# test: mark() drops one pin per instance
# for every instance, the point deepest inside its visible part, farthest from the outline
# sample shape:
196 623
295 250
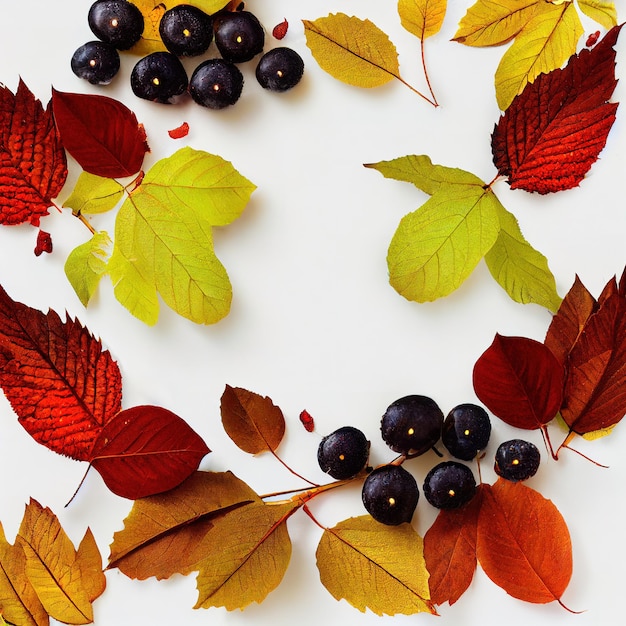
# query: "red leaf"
179 132
307 421
33 166
523 543
102 134
553 132
146 450
44 243
280 30
63 386
592 40
520 381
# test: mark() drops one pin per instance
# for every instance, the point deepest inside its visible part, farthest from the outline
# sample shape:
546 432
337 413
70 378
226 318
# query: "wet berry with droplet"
186 30
116 22
96 62
216 84
159 77
239 36
343 453
280 69
449 485
390 495
466 431
517 460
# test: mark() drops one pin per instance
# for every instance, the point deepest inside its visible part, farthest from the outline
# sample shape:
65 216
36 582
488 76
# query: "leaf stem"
290 469
565 445
430 88
85 221
417 91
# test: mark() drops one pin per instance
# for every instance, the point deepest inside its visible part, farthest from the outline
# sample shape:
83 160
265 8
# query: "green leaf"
86 264
94 194
602 12
518 268
368 564
352 50
422 18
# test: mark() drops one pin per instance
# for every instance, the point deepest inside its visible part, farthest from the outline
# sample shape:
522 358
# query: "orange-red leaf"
33 166
61 383
523 543
552 133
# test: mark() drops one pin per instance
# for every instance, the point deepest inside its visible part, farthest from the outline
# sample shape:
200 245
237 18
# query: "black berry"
186 30
96 61
517 460
466 430
239 36
412 424
280 69
216 84
343 453
159 77
390 495
449 485
117 22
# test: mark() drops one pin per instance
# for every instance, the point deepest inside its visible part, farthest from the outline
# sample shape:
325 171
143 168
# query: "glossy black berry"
280 69
343 453
517 460
390 495
186 30
96 62
116 22
412 424
159 77
216 84
466 431
449 485
239 36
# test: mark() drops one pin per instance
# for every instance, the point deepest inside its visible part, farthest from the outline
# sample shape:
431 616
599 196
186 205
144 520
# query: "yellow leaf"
89 560
367 564
422 18
352 50
602 12
543 45
493 22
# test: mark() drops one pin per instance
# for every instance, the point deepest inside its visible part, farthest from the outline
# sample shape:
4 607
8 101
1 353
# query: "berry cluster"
411 426
185 31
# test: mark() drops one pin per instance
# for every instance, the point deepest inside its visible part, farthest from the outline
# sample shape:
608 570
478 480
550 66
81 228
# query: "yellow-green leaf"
86 264
548 39
94 194
246 554
521 270
352 50
422 18
602 12
494 22
374 566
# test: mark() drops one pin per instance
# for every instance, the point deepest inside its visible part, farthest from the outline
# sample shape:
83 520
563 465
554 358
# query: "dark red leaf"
553 132
280 30
146 450
44 243
60 382
102 134
33 166
179 132
307 421
520 381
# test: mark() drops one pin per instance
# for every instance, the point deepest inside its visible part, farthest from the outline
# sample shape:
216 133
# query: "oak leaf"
33 165
422 18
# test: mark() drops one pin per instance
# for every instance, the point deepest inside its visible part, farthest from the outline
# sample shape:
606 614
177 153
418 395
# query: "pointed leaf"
61 383
87 264
554 131
352 50
422 18
33 167
519 380
602 12
94 194
114 149
89 560
387 581
146 450
252 421
531 565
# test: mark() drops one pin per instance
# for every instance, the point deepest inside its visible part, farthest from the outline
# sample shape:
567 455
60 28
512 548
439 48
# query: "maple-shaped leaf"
146 450
523 543
102 134
422 18
33 165
368 564
63 386
552 133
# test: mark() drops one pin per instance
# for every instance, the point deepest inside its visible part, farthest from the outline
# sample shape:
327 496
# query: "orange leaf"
523 543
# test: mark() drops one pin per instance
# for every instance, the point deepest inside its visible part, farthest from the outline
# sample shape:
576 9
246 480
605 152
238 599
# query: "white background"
314 322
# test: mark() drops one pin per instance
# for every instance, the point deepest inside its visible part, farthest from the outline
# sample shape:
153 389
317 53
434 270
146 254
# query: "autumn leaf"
523 543
553 132
114 149
33 166
146 450
600 11
252 421
519 380
422 18
94 194
388 581
60 382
